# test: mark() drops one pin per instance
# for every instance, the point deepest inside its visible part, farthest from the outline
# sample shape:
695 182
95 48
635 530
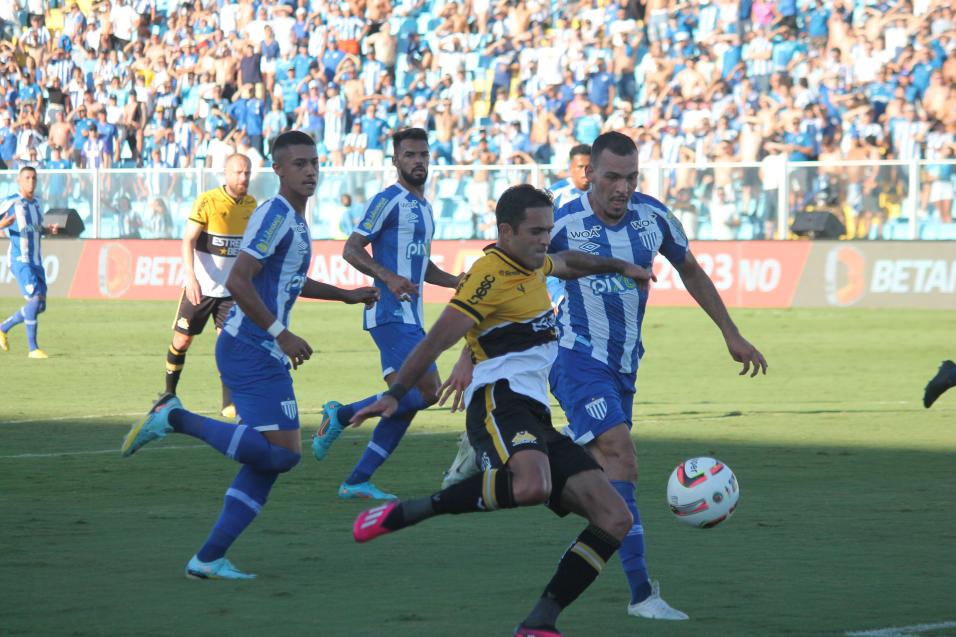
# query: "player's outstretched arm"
437 276
572 264
317 290
446 331
705 293
244 293
358 257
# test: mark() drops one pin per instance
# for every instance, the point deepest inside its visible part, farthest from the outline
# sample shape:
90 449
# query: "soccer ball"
702 492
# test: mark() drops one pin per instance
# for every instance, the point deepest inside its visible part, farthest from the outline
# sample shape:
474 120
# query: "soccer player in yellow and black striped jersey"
210 247
503 309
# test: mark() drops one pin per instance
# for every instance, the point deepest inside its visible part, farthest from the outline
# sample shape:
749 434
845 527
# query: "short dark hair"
25 169
515 201
617 143
408 133
580 149
291 138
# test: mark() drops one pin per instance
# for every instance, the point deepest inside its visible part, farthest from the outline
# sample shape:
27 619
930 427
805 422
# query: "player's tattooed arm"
437 276
317 290
358 257
572 264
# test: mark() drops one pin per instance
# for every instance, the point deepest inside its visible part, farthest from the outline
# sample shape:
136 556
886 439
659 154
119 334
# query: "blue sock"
239 442
16 319
412 401
388 433
952 376
30 312
244 500
632 547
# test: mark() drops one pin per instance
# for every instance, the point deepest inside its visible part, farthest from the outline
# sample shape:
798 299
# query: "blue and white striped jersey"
279 239
400 228
26 229
602 313
563 192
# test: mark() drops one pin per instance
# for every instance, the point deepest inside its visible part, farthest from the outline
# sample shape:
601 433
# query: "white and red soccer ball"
702 492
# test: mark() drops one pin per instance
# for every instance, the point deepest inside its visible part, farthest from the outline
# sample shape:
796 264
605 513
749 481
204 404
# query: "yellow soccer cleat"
4 342
229 411
37 353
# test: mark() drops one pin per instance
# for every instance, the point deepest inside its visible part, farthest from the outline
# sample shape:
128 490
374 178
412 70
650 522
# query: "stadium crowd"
176 84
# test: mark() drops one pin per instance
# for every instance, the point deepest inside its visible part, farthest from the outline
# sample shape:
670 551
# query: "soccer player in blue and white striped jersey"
564 191
254 354
600 346
21 217
399 225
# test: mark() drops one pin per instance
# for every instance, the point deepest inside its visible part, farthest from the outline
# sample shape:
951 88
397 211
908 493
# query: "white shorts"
941 191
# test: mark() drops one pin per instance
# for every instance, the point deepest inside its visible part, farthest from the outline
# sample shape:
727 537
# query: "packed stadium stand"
725 100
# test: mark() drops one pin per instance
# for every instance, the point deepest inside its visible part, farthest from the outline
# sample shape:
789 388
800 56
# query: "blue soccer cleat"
154 426
216 569
329 430
363 491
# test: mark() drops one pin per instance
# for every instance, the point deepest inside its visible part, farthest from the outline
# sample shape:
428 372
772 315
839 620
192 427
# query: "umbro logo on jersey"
597 408
590 246
289 408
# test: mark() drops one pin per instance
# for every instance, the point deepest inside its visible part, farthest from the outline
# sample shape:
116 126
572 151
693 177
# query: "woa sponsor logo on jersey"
591 233
611 284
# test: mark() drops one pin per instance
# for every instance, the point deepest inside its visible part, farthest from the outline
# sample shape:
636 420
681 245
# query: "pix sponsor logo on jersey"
416 249
611 284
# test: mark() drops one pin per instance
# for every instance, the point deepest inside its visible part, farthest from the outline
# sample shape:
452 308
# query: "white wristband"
275 329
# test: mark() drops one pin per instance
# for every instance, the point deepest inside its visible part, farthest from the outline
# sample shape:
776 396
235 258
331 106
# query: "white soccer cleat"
464 466
654 607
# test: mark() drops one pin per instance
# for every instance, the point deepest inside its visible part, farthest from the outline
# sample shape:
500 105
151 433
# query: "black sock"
175 359
579 567
486 491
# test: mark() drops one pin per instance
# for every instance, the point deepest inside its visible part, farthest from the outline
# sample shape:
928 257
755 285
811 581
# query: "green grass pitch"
847 518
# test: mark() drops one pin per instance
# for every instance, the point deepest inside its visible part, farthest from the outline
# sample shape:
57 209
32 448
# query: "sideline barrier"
768 274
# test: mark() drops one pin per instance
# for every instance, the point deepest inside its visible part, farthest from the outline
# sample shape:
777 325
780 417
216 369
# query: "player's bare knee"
531 490
614 518
182 341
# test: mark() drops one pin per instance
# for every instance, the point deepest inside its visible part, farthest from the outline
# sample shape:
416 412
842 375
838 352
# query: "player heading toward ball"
502 308
254 354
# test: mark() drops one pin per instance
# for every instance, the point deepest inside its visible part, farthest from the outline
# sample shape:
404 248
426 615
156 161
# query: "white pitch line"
743 412
901 631
96 452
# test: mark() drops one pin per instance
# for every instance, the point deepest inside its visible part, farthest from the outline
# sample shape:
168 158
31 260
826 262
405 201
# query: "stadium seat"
947 231
929 229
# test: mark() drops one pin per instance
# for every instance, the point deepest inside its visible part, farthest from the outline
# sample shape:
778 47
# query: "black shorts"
501 423
191 319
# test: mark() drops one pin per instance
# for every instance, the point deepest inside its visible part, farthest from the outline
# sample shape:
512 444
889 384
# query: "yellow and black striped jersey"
224 221
514 335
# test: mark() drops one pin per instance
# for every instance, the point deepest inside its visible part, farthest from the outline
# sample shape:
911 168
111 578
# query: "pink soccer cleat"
522 631
369 524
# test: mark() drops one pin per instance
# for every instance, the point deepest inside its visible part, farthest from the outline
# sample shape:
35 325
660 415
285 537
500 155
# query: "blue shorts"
261 385
30 278
594 397
395 341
